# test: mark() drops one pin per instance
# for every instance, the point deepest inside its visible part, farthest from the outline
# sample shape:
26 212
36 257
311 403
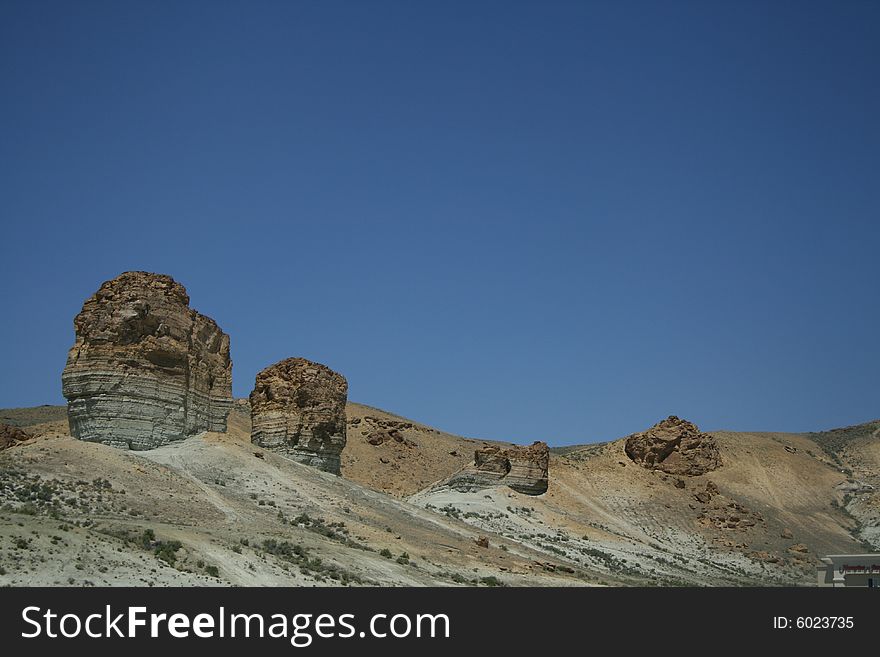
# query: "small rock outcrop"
524 469
298 409
10 435
855 487
724 513
379 431
674 446
146 369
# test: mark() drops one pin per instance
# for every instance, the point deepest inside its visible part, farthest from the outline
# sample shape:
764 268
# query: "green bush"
147 538
491 580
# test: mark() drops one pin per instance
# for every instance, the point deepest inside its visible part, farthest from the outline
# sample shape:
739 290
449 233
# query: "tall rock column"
298 409
146 369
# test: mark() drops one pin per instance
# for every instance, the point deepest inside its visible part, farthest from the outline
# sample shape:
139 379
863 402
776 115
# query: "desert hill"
403 458
775 503
216 510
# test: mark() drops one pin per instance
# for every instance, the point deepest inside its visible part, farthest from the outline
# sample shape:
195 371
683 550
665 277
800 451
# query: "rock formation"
674 446
298 409
524 469
386 431
146 369
724 513
10 436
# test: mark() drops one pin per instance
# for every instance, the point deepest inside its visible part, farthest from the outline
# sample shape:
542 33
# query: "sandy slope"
603 511
783 500
213 493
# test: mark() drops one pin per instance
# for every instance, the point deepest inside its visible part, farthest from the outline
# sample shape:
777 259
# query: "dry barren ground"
215 510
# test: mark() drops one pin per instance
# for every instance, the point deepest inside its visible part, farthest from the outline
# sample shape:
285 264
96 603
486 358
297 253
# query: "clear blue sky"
539 220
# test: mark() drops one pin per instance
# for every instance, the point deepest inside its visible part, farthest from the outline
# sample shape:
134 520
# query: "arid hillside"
765 515
215 509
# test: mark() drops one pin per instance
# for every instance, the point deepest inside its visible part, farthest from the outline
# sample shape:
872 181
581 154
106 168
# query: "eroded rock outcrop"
674 446
385 431
724 513
146 369
298 409
10 435
524 469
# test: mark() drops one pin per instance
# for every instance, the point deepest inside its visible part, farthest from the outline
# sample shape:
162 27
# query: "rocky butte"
524 469
146 369
298 409
674 446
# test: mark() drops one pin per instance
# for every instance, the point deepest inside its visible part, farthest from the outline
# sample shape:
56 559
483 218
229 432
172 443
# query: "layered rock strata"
298 409
146 369
674 446
524 469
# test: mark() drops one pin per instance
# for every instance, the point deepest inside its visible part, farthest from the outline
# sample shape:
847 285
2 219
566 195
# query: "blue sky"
540 220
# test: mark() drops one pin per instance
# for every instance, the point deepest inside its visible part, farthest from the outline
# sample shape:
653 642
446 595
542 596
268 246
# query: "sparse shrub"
164 550
147 538
167 551
298 555
385 552
491 580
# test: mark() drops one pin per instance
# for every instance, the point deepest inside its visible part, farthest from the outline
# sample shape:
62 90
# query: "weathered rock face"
524 469
724 513
10 436
298 409
674 446
386 431
146 369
